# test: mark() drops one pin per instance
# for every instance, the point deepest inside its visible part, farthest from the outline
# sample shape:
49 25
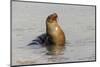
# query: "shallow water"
77 22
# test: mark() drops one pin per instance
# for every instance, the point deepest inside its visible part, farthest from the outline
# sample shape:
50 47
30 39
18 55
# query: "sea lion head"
52 17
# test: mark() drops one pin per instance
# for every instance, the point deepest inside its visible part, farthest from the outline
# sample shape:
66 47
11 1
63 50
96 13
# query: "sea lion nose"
54 14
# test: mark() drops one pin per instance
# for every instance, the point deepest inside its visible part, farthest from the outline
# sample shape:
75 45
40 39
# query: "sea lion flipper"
40 40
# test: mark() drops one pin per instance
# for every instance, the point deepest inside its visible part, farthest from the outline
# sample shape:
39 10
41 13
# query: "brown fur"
55 35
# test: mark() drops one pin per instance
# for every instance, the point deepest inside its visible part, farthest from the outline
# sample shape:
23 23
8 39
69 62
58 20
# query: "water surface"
28 22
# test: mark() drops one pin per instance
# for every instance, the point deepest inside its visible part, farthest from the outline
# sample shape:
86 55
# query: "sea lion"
55 40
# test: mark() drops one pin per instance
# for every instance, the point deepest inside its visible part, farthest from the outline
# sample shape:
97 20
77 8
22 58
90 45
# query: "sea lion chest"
55 32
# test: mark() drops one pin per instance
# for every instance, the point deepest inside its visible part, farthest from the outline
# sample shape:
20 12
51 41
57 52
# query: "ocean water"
28 22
